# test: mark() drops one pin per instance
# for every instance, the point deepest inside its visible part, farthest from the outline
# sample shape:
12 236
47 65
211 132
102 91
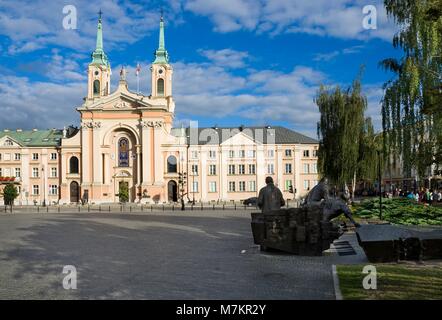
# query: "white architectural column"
85 154
158 156
203 184
146 137
297 183
138 158
96 152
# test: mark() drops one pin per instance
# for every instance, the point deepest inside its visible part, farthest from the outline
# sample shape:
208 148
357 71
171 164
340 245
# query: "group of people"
427 196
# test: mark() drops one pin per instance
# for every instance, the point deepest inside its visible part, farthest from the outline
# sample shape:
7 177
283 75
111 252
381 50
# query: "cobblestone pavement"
159 255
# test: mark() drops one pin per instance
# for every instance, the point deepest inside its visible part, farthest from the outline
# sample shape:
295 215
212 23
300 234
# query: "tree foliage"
10 193
412 104
346 138
123 193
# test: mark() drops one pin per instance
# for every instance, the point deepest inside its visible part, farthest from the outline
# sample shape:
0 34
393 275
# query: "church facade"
126 140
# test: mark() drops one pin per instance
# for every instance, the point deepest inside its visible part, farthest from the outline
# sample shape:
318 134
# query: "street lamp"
44 185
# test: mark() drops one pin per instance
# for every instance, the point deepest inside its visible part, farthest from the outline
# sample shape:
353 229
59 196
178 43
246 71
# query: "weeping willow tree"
412 103
347 151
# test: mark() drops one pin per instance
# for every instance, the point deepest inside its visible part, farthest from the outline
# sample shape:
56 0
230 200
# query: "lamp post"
44 185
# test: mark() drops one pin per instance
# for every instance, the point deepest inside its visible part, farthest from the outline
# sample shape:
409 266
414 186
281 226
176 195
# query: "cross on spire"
162 12
100 13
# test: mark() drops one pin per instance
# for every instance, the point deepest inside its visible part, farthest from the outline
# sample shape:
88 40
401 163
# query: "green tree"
10 193
411 107
346 138
123 193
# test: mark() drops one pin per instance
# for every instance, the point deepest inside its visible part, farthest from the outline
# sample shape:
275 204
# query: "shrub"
10 193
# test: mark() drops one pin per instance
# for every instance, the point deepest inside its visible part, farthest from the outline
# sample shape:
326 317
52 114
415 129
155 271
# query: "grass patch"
394 282
399 211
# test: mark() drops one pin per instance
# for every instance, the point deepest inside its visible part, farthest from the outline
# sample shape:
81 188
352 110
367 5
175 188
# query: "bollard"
213 206
191 207
235 206
151 208
163 207
130 208
223 206
88 208
79 208
99 208
109 208
47 209
58 209
201 206
121 208
173 207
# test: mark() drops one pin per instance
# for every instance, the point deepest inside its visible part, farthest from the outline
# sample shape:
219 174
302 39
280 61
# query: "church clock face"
96 73
160 71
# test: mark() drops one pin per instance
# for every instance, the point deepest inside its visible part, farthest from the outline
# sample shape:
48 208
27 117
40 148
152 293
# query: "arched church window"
73 165
160 87
123 152
96 87
171 164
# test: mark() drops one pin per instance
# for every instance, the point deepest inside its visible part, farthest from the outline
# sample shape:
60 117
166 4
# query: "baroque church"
127 139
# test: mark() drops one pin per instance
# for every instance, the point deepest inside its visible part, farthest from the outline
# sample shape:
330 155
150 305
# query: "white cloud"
334 54
227 58
26 104
337 18
35 24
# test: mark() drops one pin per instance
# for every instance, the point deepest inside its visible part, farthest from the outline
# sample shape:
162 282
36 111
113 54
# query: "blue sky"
235 61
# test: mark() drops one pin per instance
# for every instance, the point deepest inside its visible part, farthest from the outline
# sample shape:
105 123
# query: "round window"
97 73
160 71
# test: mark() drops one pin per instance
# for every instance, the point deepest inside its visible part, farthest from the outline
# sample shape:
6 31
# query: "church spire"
98 56
161 55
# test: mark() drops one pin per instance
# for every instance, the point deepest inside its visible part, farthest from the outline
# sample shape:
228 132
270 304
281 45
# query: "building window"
242 169
194 154
251 153
252 186
9 143
96 87
53 172
306 153
212 154
252 169
194 169
231 154
232 186
53 190
306 185
73 165
35 156
53 156
314 167
0 156
231 169
270 153
195 186
35 190
270 168
171 164
242 186
1 172
288 168
35 172
212 169
123 152
288 184
17 172
306 168
288 152
17 157
160 87
212 186
242 153
315 153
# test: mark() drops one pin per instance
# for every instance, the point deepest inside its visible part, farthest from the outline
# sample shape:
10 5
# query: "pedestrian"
270 197
416 196
434 197
439 196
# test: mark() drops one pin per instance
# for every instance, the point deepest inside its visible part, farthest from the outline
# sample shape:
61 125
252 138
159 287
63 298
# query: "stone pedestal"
298 230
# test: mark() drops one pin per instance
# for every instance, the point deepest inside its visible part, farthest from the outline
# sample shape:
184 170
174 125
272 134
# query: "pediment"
9 142
240 139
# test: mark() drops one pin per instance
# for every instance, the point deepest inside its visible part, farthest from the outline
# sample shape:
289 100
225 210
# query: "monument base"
300 231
